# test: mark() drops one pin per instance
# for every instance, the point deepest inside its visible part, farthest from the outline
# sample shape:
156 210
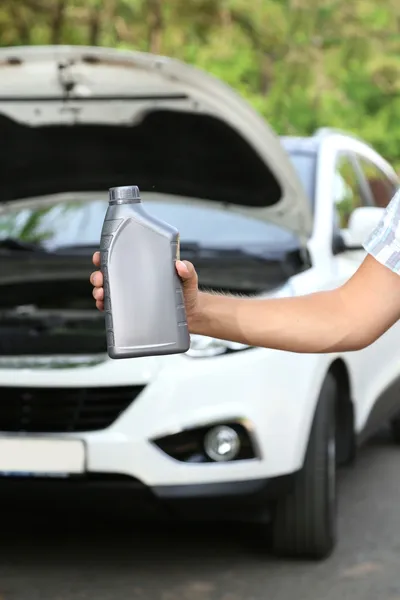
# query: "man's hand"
186 272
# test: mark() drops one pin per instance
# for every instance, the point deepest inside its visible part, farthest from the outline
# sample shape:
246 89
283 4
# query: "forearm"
316 323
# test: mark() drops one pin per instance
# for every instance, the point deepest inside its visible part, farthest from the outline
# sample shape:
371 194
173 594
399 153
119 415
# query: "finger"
99 305
98 294
188 275
96 279
96 259
185 269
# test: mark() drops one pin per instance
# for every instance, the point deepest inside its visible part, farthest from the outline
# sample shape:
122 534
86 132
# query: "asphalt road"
73 558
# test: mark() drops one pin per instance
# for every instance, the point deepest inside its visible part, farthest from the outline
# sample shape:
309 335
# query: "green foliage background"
302 63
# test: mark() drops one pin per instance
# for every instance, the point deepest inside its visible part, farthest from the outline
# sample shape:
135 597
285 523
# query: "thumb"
187 273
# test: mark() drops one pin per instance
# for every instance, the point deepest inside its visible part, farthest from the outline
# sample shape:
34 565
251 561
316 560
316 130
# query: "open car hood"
76 119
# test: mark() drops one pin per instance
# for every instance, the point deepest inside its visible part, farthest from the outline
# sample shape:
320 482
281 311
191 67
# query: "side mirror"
362 222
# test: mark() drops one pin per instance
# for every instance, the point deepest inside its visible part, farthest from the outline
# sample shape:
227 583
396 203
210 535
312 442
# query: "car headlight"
203 347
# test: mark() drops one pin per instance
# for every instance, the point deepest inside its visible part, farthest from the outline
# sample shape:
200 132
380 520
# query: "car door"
362 182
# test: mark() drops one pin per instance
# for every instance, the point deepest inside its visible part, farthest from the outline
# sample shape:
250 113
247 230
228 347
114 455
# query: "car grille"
48 410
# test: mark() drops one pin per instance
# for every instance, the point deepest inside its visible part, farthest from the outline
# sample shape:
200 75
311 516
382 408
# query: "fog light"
222 443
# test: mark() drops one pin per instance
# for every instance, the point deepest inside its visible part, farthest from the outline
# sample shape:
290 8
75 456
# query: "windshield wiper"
290 258
76 249
10 243
197 251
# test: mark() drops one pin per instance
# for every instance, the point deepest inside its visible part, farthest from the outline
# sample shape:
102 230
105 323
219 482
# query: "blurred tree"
302 63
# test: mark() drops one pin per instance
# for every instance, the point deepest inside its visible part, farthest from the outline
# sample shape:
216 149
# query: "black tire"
395 429
305 521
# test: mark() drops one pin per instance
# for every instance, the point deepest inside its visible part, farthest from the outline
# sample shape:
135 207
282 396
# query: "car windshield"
79 223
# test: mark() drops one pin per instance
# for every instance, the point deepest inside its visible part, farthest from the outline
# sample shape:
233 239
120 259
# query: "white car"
224 431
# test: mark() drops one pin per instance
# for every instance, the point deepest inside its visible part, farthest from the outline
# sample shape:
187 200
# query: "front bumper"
182 393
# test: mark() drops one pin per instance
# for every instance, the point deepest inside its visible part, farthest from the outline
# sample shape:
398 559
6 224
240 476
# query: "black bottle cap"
124 194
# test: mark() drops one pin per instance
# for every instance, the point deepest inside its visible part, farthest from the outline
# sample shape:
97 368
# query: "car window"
80 223
305 165
382 188
347 191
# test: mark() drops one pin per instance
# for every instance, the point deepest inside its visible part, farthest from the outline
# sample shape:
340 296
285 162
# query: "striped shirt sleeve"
384 242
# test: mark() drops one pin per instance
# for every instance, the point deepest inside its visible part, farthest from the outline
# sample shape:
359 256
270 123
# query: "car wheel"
304 524
395 428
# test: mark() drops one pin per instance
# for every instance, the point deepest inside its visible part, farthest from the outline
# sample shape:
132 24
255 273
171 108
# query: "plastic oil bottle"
143 299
